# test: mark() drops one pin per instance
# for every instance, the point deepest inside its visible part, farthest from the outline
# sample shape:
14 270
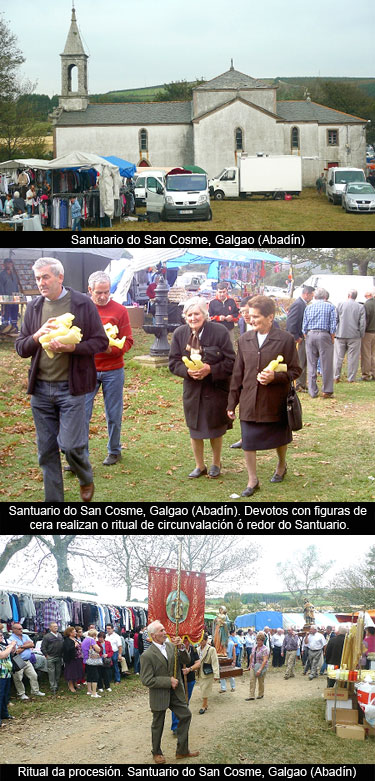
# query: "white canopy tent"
123 270
109 176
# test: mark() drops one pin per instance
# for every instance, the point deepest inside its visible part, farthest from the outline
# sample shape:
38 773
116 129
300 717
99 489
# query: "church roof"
308 111
167 113
73 43
232 79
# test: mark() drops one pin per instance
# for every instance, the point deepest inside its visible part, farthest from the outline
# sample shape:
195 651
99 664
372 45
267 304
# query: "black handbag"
207 668
294 409
18 663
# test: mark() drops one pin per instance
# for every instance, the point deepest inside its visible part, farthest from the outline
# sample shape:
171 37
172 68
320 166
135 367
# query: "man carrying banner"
166 690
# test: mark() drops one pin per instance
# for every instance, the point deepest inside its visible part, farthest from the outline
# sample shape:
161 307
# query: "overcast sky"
138 43
343 549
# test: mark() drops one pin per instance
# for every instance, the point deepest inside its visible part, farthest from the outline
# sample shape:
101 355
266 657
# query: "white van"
337 178
146 180
185 196
338 286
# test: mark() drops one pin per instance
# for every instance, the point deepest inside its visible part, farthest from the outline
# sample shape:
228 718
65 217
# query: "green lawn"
309 212
330 459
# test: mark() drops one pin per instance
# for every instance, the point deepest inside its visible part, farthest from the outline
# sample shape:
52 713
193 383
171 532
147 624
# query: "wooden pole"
177 607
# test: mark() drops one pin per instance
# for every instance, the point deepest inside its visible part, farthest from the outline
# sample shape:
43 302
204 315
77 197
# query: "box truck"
272 176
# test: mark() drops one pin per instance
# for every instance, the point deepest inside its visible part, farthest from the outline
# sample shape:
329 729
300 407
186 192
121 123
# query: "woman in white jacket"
207 657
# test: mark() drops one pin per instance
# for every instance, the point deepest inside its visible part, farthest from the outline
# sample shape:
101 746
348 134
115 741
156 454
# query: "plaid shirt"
319 316
51 613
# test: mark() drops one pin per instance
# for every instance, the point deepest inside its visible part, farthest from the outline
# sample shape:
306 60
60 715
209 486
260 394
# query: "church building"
229 115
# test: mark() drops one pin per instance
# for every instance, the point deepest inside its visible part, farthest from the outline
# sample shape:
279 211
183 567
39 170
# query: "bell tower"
74 93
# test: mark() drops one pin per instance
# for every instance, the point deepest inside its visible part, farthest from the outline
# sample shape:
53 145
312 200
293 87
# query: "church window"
332 137
143 140
239 139
295 138
72 78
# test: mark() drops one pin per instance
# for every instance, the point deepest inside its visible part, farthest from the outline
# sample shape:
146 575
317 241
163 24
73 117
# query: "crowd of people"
216 377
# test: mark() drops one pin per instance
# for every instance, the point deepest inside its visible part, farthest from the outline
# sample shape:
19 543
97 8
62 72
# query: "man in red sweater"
110 365
223 309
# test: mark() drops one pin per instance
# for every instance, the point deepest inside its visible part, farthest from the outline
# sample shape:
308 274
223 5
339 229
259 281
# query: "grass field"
330 459
309 212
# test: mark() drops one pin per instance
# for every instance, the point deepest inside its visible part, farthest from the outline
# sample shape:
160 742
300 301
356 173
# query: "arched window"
143 140
72 78
294 138
239 145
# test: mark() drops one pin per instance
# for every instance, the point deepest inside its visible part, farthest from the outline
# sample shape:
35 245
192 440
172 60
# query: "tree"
18 128
354 587
178 90
10 60
303 575
127 557
363 258
13 546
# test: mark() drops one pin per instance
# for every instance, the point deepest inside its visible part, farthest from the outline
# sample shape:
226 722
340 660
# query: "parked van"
338 286
144 180
185 196
337 178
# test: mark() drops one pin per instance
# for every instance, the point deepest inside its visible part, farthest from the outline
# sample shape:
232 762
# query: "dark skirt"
74 671
92 673
265 436
203 431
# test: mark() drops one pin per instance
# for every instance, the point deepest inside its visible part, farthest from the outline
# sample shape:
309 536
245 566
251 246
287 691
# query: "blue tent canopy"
214 257
126 169
259 620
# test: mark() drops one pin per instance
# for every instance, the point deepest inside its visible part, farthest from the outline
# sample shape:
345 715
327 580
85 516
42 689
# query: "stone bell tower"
73 57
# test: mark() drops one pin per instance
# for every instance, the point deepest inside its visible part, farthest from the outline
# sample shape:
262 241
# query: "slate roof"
180 112
232 79
308 111
173 112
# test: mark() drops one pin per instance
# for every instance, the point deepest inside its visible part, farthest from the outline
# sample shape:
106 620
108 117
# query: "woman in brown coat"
261 392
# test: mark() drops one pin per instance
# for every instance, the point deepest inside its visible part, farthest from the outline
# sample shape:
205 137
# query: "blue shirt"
319 316
20 641
231 643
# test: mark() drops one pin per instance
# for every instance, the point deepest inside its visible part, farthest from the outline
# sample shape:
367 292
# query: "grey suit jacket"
156 673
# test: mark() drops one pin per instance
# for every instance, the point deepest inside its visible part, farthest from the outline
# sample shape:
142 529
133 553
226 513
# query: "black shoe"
198 472
247 699
278 478
112 458
214 471
202 710
236 444
68 468
249 491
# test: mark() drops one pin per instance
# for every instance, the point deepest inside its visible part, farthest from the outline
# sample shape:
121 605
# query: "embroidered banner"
162 601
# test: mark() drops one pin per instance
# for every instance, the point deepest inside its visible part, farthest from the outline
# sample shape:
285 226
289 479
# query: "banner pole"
178 606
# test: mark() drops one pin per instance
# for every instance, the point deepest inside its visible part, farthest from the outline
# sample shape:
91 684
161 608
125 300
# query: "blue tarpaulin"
259 620
126 169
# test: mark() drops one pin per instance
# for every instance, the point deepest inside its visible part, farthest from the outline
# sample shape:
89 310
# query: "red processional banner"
162 601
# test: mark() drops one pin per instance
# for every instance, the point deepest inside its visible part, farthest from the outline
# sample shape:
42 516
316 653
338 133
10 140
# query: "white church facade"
228 115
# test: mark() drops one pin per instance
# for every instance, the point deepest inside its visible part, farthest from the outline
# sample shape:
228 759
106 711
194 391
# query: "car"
358 197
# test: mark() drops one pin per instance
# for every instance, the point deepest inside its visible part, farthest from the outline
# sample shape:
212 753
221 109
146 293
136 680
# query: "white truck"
272 176
183 196
338 286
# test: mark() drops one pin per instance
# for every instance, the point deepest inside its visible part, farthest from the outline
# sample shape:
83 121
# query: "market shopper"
333 651
52 648
92 659
188 674
73 659
9 286
116 643
104 670
368 341
294 322
258 667
76 212
58 386
24 647
319 327
6 649
224 309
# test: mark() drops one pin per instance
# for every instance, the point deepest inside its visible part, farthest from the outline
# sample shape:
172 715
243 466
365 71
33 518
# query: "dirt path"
119 732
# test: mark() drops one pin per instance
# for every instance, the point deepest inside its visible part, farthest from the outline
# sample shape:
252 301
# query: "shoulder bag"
94 659
294 409
18 663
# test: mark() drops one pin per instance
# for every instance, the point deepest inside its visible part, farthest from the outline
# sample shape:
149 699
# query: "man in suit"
166 691
294 326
